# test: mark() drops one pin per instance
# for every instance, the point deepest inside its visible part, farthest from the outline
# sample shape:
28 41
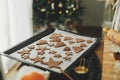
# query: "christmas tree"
56 11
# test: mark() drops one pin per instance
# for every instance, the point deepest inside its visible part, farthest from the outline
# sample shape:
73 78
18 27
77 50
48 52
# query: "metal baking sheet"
12 53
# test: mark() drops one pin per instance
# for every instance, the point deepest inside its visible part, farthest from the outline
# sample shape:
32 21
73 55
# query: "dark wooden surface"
92 31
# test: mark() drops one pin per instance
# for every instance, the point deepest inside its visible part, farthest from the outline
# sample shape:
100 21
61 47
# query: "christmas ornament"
56 12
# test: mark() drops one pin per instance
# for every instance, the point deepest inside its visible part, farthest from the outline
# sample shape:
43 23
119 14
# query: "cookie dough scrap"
52 63
77 49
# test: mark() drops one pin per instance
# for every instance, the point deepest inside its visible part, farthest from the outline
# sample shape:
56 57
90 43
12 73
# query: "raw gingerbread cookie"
55 39
52 52
77 49
67 58
67 38
31 46
59 44
40 52
24 52
25 56
89 41
57 55
71 41
68 53
51 44
41 42
53 35
78 40
67 49
42 48
83 45
37 59
52 63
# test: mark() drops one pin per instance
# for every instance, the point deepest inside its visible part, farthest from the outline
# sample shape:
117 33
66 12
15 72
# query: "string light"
60 5
67 11
43 10
74 9
36 0
52 6
72 5
70 14
49 1
60 12
68 0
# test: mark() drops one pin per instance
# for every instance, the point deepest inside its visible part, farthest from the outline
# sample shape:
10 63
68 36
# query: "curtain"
116 18
15 24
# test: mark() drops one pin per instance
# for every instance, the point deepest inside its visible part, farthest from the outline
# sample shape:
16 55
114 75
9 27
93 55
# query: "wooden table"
111 67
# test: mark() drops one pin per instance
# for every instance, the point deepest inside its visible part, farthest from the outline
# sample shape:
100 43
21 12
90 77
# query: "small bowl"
81 69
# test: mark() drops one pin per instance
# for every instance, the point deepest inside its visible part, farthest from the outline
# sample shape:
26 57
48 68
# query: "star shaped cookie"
67 58
52 63
37 59
24 52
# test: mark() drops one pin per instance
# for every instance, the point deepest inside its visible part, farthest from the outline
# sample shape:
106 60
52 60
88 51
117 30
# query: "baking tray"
41 35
